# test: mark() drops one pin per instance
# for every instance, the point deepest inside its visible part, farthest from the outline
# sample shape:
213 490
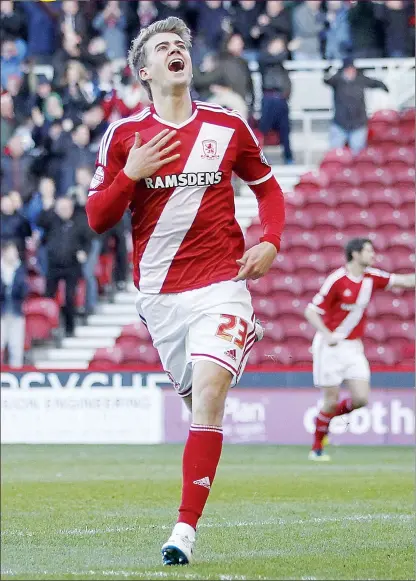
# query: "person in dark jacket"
67 243
14 227
350 118
276 92
393 16
366 31
276 21
244 17
13 291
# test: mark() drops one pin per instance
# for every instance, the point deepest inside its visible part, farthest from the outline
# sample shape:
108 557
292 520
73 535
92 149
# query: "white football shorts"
333 365
215 323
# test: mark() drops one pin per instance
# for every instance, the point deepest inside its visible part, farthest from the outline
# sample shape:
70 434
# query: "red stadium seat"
398 219
142 354
42 316
282 264
312 181
265 308
387 116
346 178
334 259
385 197
334 240
360 217
296 199
300 329
402 261
381 355
274 331
330 218
299 220
352 199
404 179
136 330
253 234
275 354
309 264
307 241
379 241
336 159
400 158
311 285
37 286
383 262
408 116
369 158
261 286
106 358
399 334
407 196
288 306
289 284
392 306
104 271
404 240
403 135
375 178
300 352
376 331
319 200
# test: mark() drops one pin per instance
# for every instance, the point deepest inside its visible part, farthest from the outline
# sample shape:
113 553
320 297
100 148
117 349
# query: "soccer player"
171 165
338 314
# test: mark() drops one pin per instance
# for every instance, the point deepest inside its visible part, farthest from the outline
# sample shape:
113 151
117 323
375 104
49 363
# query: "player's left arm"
402 281
252 167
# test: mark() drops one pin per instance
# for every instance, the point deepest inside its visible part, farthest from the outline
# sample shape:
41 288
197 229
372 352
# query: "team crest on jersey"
210 149
98 177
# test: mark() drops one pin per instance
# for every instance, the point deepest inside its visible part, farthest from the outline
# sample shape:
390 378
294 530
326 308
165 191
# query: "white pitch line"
271 522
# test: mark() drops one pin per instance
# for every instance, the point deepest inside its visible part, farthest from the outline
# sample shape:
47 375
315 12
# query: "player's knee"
359 401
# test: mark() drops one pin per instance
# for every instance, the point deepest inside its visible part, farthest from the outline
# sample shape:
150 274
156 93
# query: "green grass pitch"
103 512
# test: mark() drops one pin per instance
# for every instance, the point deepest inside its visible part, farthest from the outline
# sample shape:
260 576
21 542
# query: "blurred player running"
338 314
171 165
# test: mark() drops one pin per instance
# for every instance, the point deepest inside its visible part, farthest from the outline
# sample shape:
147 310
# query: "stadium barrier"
140 407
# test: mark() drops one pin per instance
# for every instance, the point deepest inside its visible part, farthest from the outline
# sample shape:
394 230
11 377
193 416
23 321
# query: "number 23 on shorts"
233 329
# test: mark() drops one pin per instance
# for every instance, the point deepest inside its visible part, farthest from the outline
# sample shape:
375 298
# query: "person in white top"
338 313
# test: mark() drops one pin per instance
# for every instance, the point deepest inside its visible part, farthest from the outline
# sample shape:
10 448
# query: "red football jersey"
184 230
343 299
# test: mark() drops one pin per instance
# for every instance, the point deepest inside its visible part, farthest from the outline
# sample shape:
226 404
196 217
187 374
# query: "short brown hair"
137 52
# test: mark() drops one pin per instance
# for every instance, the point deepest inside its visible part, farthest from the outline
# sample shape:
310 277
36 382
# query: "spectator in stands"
18 88
393 17
42 30
275 22
13 53
94 119
8 120
226 79
77 89
276 93
44 197
14 226
366 32
212 23
16 165
67 243
350 118
166 8
111 24
69 50
77 152
72 20
12 20
307 26
13 291
337 34
244 17
96 53
79 194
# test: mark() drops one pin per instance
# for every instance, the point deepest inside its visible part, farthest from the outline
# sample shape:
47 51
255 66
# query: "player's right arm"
321 302
113 185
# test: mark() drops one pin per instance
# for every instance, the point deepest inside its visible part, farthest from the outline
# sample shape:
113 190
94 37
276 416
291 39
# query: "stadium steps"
104 326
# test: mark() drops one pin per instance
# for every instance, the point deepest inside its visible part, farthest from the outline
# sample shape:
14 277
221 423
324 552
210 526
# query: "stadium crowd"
63 86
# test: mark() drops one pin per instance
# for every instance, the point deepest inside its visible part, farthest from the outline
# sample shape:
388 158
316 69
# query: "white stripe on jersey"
261 180
233 113
355 316
180 211
331 280
108 135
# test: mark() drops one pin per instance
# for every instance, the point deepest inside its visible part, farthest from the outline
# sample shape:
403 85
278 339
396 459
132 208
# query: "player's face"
168 63
367 255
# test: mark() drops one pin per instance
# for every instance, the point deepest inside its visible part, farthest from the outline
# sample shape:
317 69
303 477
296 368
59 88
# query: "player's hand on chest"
144 159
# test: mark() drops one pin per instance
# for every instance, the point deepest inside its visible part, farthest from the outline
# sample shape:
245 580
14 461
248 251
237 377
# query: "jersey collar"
174 125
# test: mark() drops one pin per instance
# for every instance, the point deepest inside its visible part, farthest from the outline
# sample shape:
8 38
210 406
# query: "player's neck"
173 108
355 269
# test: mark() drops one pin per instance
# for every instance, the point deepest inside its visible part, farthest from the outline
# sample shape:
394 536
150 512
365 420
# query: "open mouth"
176 65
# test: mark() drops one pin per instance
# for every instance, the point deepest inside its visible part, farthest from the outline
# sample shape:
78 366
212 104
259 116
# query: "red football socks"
200 460
323 419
